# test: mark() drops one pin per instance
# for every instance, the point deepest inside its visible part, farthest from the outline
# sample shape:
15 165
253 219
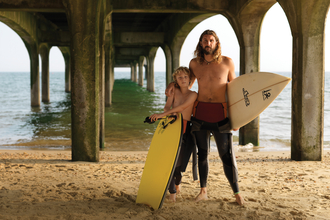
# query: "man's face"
208 44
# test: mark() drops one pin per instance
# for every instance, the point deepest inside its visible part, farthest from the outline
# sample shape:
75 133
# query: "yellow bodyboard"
160 163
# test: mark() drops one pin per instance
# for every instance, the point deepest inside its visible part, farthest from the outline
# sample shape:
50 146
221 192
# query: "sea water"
49 126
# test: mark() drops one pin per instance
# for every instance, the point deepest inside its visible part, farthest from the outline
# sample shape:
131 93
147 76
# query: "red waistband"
184 126
209 111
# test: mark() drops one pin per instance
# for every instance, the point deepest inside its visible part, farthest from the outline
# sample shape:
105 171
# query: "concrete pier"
44 53
67 60
100 35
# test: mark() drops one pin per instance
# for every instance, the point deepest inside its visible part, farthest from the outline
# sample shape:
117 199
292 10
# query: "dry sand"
47 185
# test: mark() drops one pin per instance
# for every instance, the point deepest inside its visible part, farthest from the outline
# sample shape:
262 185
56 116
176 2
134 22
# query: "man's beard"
208 52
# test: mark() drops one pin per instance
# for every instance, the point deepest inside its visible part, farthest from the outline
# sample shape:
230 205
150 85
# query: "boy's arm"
188 102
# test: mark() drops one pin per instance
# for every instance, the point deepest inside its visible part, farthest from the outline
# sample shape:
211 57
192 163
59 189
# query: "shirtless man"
212 71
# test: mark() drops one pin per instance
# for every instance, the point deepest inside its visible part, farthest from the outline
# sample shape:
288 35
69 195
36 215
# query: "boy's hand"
170 90
154 117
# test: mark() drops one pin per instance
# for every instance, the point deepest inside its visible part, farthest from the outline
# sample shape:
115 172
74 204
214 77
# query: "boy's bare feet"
178 189
173 197
239 199
202 195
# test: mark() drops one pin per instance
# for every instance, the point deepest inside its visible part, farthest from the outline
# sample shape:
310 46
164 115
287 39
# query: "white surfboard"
250 94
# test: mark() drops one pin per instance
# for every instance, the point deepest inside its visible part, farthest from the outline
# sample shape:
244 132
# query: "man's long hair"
199 49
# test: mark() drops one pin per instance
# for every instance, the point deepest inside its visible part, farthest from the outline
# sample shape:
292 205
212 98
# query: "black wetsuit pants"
176 180
223 144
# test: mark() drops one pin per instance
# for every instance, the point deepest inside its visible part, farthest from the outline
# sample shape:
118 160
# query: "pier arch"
24 24
276 38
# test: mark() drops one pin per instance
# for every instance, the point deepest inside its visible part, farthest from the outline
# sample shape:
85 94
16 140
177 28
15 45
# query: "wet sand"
47 185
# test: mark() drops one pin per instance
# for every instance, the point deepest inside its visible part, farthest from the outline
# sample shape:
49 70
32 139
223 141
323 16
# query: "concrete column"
109 57
67 60
132 72
151 71
67 74
169 71
86 70
307 77
147 68
141 63
44 53
175 58
247 28
34 75
135 66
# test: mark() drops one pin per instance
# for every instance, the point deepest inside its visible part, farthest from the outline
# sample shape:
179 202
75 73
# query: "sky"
275 46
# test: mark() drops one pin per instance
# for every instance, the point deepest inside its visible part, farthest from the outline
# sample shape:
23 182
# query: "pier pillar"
141 63
132 72
247 29
175 58
135 66
44 54
151 70
168 57
307 76
86 73
34 75
67 60
109 79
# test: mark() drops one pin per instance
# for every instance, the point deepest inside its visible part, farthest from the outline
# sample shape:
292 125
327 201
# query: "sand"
47 185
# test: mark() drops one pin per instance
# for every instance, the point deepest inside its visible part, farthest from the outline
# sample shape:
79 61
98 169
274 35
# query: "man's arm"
169 103
231 72
192 75
169 91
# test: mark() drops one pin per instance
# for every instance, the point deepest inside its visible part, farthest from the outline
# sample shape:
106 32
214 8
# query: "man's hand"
170 90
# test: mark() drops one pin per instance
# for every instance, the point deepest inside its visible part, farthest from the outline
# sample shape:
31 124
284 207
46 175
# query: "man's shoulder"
226 59
193 61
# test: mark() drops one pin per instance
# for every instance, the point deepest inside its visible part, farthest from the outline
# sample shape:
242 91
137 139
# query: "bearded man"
212 71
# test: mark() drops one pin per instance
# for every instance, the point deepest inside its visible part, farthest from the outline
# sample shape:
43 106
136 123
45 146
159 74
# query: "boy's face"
182 79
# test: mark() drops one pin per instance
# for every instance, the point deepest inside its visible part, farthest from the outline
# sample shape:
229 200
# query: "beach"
48 185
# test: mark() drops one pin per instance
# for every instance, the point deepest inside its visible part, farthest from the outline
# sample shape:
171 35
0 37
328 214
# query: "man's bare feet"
239 199
173 197
178 189
202 195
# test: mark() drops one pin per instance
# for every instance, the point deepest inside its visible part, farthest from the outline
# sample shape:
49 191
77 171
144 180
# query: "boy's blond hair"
177 71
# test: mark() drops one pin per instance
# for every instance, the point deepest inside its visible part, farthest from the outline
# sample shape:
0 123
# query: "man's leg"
223 141
202 141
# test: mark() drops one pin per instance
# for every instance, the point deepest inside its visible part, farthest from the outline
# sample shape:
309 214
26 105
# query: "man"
212 71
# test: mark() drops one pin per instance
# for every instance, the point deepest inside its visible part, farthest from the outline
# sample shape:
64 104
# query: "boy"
181 101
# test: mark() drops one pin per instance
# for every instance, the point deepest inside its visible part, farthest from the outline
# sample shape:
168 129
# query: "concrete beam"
55 38
32 5
169 6
139 39
137 51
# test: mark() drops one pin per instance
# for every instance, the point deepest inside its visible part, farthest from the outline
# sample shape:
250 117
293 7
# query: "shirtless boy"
181 102
212 71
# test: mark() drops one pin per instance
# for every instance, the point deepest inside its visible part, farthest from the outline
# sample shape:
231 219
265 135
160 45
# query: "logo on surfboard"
166 121
266 94
246 98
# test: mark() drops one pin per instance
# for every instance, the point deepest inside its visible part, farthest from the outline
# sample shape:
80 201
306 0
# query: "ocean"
49 126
